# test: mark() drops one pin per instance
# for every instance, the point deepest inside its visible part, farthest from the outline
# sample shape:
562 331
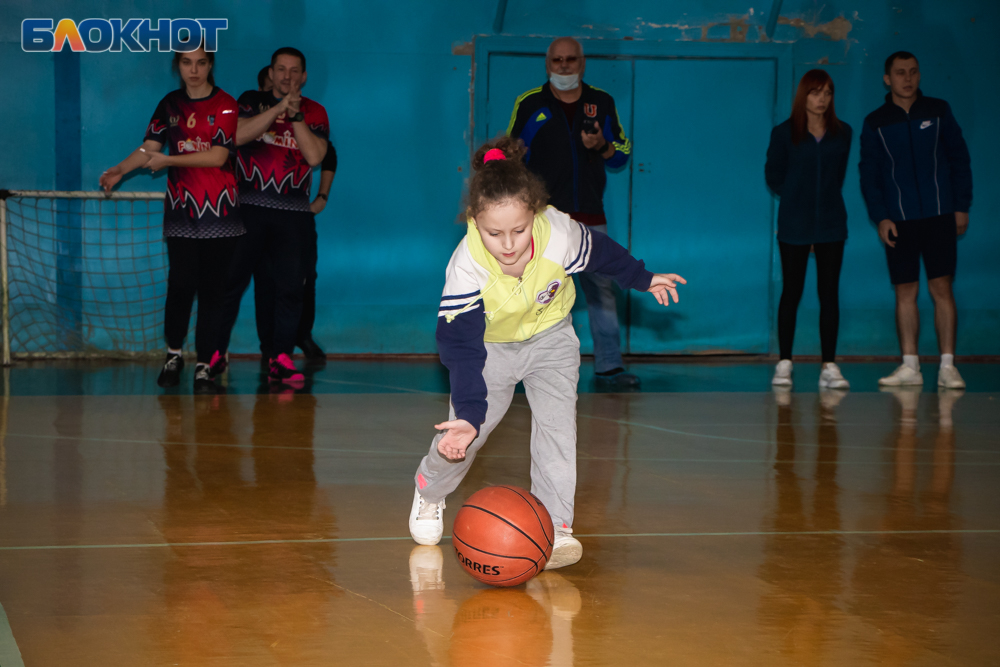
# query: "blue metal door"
700 207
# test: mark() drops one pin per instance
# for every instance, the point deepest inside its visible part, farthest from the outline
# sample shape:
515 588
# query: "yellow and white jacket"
480 304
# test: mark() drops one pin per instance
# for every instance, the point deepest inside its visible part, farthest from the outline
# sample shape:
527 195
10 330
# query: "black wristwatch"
323 196
297 118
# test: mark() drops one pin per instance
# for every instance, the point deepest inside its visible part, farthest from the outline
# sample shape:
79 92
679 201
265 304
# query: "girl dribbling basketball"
504 318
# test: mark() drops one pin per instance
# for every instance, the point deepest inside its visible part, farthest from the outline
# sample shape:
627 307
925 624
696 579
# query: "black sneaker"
203 383
617 380
170 376
311 350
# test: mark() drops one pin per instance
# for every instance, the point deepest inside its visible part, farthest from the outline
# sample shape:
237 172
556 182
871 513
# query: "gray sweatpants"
549 365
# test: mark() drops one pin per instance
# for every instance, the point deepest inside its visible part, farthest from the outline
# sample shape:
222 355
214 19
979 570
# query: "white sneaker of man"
949 378
566 550
904 376
830 377
783 374
426 520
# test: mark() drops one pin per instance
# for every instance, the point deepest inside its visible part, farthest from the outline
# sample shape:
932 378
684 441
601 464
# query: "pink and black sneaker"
283 370
218 365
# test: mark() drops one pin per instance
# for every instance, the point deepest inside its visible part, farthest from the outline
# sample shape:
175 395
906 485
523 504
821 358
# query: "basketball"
503 536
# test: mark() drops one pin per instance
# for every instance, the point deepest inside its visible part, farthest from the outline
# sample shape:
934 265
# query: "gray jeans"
549 365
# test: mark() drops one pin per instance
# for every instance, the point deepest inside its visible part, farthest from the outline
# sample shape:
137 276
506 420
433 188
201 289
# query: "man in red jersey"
281 136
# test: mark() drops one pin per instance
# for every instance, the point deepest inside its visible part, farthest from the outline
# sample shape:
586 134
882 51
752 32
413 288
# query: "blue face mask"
564 81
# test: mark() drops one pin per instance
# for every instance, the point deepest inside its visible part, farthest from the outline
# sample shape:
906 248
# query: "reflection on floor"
53 378
719 526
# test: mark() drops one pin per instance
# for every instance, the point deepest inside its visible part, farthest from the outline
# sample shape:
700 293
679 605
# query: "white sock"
911 360
947 360
173 351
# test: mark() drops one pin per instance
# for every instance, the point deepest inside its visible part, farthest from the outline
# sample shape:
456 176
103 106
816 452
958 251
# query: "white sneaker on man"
426 520
783 374
949 378
904 376
566 550
830 377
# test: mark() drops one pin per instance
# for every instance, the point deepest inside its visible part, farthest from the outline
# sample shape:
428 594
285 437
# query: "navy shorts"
935 239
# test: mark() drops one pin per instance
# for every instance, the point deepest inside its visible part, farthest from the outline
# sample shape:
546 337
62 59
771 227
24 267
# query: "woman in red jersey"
201 216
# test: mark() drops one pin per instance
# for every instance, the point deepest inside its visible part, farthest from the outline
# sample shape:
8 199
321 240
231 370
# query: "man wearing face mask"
573 133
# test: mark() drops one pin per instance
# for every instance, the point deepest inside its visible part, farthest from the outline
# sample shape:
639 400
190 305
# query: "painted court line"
581 457
329 540
749 440
319 448
760 442
10 656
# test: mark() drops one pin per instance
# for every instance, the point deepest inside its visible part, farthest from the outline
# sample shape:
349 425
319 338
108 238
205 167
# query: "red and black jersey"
201 202
272 170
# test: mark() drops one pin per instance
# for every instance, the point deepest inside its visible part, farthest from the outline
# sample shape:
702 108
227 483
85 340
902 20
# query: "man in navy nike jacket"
917 183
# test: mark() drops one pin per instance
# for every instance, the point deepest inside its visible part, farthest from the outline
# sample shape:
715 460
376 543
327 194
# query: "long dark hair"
814 79
176 65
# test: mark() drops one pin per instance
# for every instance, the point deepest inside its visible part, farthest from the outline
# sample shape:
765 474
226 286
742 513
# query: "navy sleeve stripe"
460 296
444 312
454 306
583 253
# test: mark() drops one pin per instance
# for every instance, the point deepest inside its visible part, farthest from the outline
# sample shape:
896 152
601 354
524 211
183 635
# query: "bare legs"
908 316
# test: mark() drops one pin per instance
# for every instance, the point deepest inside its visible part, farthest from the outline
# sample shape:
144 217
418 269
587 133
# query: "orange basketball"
503 535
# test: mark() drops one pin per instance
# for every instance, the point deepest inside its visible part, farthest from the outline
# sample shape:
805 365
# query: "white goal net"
84 274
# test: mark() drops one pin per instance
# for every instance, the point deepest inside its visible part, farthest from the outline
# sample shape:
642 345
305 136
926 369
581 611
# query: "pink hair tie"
494 154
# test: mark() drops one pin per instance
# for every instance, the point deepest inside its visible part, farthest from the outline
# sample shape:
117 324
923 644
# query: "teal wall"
397 81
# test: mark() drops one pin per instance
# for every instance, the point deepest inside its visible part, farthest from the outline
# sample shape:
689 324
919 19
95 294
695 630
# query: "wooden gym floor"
722 523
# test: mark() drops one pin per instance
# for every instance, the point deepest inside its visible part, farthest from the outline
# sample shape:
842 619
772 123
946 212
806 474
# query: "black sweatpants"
310 256
794 261
264 296
198 267
271 254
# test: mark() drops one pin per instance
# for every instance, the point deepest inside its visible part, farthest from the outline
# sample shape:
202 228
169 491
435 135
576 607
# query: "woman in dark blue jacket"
806 163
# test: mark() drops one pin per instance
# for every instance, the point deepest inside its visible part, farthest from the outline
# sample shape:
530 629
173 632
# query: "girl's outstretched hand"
664 285
459 436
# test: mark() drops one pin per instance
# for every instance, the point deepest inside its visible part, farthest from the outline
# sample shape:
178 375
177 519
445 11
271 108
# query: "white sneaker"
426 564
426 520
904 376
949 378
830 378
783 373
565 551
